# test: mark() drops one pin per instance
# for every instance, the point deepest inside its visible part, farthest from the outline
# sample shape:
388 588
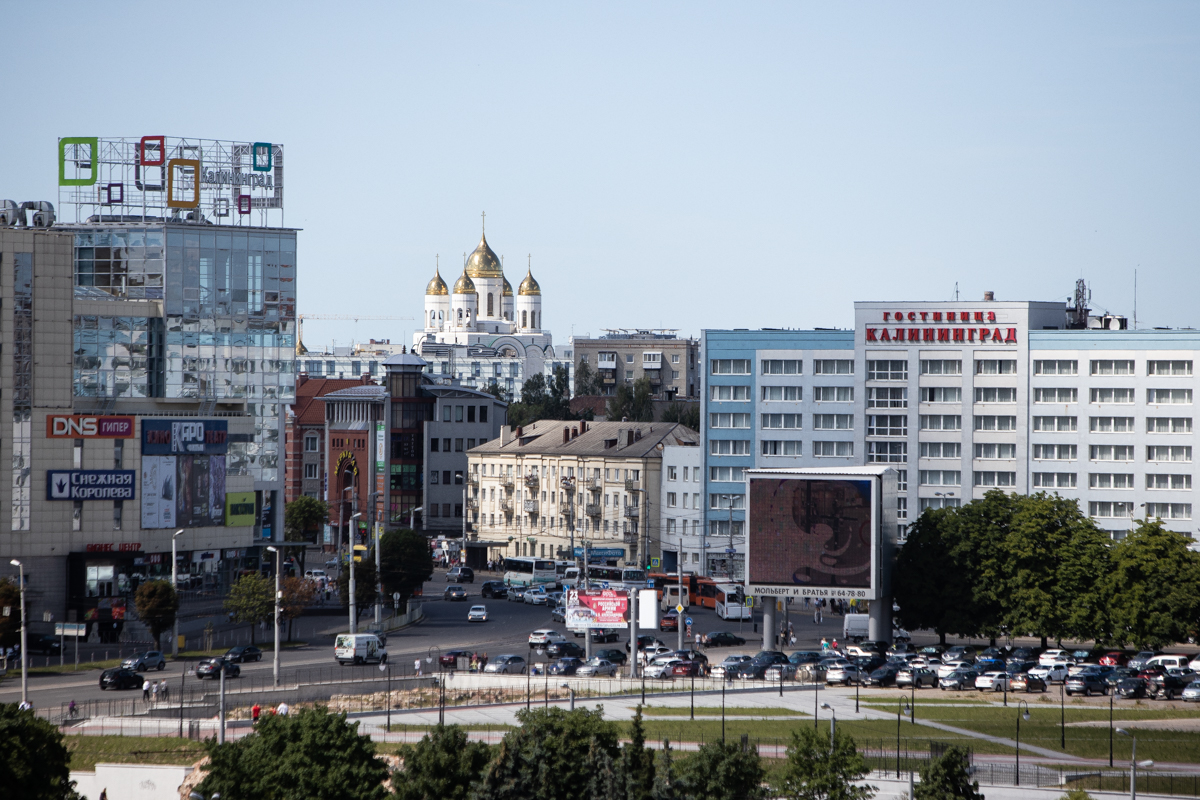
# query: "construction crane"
355 317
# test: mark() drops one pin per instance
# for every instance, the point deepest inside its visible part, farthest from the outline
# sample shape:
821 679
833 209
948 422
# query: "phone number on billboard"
803 591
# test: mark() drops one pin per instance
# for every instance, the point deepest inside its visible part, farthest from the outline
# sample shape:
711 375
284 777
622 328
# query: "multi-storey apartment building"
623 356
681 513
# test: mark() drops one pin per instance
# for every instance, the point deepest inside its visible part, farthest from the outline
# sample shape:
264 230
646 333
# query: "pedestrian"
104 793
25 706
282 709
146 691
154 691
255 710
417 667
824 644
164 690
835 644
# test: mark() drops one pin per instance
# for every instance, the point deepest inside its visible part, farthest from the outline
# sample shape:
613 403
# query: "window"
310 444
726 447
1110 480
833 422
1177 482
433 477
887 425
458 413
310 471
996 366
483 411
940 477
833 394
446 480
941 449
1104 508
1055 452
902 480
730 392
887 398
1054 480
1110 452
671 500
941 394
775 447
995 478
939 502
1162 452
445 445
944 366
793 421
458 445
675 358
1169 396
674 374
726 474
446 412
887 370
789 393
941 422
1123 396
996 394
997 450
992 423
671 473
901 508
1169 510
777 366
1052 367
727 501
833 366
887 452
1055 424
1110 424
1108 366
724 366
1178 368
729 420
629 358
833 449
470 413
1168 424
1056 394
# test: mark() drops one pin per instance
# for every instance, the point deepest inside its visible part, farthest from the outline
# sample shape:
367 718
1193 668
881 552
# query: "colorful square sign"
156 154
263 157
75 142
182 170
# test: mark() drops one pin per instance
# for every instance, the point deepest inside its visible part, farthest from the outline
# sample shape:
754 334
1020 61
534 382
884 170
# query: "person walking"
255 710
417 667
154 691
164 690
282 710
146 690
817 615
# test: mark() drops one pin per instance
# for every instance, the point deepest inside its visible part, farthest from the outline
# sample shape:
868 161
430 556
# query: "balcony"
532 480
566 507
507 482
630 538
473 478
632 486
633 512
506 505
606 361
594 483
531 506
593 509
473 503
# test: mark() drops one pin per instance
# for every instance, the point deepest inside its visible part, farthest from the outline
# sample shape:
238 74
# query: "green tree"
250 600
947 777
156 603
34 761
302 521
720 771
10 626
444 765
405 563
309 753
298 594
364 585
607 781
642 407
812 771
496 390
1153 587
664 775
979 532
637 761
620 404
585 379
930 584
684 413
558 404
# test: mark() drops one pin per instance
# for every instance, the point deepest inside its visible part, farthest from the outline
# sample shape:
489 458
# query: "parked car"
669 621
1051 673
1048 657
151 659
1116 675
602 636
1170 684
1001 653
449 659
461 575
951 666
477 614
990 665
617 657
1191 694
545 636
802 657
595 667
211 668
1138 661
960 652
845 673
493 589
1131 688
884 676
958 679
1025 682
691 655
1086 683
44 643
1114 658
120 678
756 668
507 664
694 669
921 676
564 649
996 680
723 639
565 666
643 642
455 592
648 654
727 667
242 654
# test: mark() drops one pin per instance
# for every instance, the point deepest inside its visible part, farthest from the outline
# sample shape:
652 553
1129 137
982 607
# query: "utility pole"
174 585
278 599
24 636
378 562
351 586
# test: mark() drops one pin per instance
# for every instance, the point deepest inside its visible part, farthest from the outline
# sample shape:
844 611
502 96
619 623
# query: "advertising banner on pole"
603 609
158 491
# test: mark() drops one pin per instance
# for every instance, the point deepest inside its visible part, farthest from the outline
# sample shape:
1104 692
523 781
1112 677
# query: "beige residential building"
547 488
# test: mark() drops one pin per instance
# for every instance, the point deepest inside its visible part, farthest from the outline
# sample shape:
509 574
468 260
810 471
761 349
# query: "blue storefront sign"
601 552
173 437
90 484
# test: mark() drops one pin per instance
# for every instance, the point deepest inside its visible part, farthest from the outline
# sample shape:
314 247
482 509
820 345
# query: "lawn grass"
87 751
710 711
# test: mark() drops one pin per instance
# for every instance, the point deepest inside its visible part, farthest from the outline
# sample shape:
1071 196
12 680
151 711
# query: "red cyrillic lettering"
958 334
914 334
943 334
1012 336
928 335
870 334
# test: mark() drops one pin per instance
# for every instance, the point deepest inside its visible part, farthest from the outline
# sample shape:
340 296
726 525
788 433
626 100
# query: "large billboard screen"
603 609
813 535
186 491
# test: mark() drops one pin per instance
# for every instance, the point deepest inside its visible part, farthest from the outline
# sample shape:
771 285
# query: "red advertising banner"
606 608
77 426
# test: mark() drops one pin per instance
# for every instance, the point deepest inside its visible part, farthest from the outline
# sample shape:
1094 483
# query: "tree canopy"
722 771
634 403
1153 588
250 600
157 604
34 761
443 765
10 626
585 379
543 399
364 585
684 413
303 517
405 562
815 771
947 777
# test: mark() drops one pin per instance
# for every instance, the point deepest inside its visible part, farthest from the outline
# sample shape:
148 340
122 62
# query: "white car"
845 672
648 654
545 636
1191 692
1051 673
536 596
596 666
727 666
506 664
1051 656
477 614
661 667
996 681
944 670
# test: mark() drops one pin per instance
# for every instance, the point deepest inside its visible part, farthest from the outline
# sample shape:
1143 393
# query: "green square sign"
92 142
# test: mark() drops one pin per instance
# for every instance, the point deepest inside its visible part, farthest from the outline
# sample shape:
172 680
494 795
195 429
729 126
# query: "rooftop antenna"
1135 298
956 291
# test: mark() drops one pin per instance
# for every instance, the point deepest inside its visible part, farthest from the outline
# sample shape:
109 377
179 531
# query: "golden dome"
464 285
483 263
437 286
529 286
508 292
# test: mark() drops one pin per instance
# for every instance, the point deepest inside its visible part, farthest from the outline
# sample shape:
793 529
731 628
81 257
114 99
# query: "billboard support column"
633 631
769 623
879 625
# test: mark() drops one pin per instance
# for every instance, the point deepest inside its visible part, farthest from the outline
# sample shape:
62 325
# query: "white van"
359 648
670 597
569 577
856 627
728 605
1169 662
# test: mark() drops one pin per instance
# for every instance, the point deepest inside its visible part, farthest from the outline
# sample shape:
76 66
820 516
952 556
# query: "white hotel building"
961 398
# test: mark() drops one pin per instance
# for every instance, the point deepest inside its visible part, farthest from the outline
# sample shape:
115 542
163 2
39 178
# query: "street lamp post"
899 710
378 564
24 637
567 686
174 585
1062 712
1133 764
832 725
412 517
278 599
351 586
1020 714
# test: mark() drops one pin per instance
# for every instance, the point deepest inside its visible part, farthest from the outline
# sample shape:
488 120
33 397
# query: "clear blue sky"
680 165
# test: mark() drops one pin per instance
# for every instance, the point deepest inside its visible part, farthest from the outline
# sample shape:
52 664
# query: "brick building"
305 434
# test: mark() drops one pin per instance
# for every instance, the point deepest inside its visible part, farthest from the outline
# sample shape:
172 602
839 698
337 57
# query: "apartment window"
941 422
726 447
793 421
1104 508
1176 482
887 370
674 374
675 358
833 449
887 397
458 413
784 366
629 358
1055 452
887 452
730 392
939 502
310 444
1110 452
727 366
996 394
1110 424
1169 396
989 478
1055 424
788 393
1109 366
1168 425
445 446
433 477
833 366
901 508
1121 396
1056 394
996 366
671 473
941 449
776 447
310 471
1053 367
446 480
833 394
1162 452
458 445
887 425
941 366
1054 480
727 501
729 420
988 422
941 394
995 450
1110 480
902 480
671 500
483 411
833 422
1169 510
940 477
1178 368
671 526
726 474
